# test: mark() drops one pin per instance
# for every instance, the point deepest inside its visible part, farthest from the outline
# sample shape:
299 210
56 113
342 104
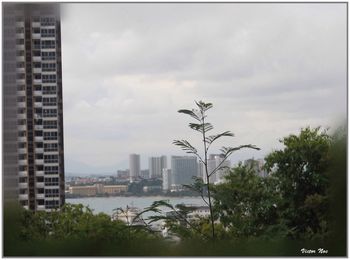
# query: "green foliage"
301 170
246 204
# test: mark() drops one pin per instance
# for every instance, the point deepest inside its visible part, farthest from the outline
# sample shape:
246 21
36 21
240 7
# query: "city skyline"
269 70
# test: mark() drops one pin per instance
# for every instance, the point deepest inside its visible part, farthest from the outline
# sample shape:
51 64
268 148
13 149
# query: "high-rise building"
134 166
156 166
183 169
215 164
166 176
33 169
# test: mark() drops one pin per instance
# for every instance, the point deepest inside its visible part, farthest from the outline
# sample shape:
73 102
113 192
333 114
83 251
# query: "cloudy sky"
269 70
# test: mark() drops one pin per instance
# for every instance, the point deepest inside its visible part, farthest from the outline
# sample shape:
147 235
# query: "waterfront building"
134 166
166 179
183 169
97 189
33 115
156 166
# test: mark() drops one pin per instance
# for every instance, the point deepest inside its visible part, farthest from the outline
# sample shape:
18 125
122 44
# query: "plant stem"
207 176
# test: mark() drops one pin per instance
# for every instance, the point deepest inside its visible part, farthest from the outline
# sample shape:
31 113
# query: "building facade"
156 166
134 166
33 75
183 169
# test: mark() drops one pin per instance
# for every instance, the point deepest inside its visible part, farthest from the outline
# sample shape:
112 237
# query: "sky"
268 69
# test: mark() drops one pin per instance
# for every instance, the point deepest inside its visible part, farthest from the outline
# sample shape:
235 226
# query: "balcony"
40 185
38 104
38 127
20 47
40 207
36 35
21 104
22 139
23 174
23 185
37 81
20 70
38 92
38 138
20 81
36 58
20 58
21 116
26 207
35 24
39 150
39 173
20 35
23 196
36 70
20 24
22 162
22 127
39 161
22 150
21 93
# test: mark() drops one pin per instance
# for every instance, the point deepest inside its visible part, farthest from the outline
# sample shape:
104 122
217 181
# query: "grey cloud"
269 69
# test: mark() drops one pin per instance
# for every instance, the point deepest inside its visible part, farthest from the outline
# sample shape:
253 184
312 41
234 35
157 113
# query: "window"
48 55
19 30
49 66
51 192
50 78
36 30
49 112
47 21
48 44
20 76
51 182
37 87
20 64
50 124
20 53
51 170
51 158
49 90
36 53
47 33
50 101
53 147
20 41
37 76
50 135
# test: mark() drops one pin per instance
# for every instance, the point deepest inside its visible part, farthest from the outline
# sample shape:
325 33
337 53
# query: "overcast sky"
269 70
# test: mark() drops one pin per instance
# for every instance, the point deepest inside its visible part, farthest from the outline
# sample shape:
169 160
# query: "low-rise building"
97 189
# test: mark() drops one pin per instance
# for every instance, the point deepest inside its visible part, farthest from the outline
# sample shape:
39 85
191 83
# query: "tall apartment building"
134 166
215 162
33 161
183 169
156 166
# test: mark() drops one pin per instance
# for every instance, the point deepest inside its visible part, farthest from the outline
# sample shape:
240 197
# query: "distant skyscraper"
166 179
33 114
156 166
183 168
214 161
135 167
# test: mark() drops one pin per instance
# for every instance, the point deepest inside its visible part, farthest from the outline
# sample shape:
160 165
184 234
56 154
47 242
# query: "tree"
199 114
301 170
246 203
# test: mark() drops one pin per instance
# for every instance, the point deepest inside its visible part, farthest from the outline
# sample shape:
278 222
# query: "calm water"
106 205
